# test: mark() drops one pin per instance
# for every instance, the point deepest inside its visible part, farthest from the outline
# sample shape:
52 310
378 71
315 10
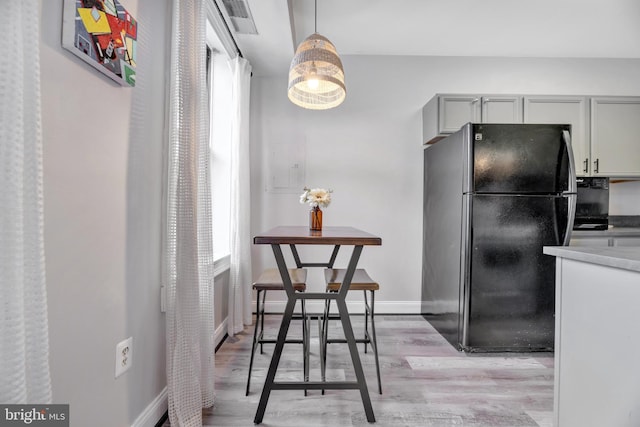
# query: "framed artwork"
103 34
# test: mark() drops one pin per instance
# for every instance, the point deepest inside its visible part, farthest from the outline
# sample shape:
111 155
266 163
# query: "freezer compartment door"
521 158
509 284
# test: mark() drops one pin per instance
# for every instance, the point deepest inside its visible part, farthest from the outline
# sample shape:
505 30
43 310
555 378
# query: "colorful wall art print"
103 34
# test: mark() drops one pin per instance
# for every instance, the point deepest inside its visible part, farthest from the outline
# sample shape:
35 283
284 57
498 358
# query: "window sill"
221 265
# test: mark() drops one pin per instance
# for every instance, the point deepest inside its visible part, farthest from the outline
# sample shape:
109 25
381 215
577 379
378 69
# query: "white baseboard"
220 332
154 412
355 307
437 307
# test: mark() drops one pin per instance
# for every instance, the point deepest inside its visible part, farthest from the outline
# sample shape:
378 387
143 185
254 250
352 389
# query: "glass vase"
315 219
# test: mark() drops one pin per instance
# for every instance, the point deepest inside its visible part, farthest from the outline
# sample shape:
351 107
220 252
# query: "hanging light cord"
315 15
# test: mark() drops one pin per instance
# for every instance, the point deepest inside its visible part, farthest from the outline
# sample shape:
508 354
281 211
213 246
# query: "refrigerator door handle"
571 199
573 188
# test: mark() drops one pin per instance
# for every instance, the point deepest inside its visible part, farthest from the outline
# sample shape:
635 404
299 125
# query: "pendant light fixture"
316 76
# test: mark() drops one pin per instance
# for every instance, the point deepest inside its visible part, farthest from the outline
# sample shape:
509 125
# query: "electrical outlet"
124 356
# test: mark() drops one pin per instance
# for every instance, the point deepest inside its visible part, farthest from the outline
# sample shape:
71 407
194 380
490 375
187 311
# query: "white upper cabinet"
446 114
501 109
605 130
455 111
615 136
571 110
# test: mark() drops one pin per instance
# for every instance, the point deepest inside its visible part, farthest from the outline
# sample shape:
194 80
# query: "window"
220 87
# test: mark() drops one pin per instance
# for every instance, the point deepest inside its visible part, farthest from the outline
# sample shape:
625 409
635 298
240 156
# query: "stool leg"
366 321
323 341
305 345
374 342
320 339
254 342
264 297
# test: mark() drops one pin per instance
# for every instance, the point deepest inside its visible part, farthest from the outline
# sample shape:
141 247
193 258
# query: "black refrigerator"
494 195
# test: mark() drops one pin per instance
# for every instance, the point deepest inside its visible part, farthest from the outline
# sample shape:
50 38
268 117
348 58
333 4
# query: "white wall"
369 151
624 198
103 167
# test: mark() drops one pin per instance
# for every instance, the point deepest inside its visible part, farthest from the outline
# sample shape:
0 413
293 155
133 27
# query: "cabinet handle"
596 166
475 100
586 166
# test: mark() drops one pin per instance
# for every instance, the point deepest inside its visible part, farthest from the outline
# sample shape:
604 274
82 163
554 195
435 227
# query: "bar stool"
360 282
270 280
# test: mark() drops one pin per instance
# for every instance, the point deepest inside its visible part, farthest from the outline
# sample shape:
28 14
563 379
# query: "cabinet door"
457 110
596 356
501 109
615 136
564 110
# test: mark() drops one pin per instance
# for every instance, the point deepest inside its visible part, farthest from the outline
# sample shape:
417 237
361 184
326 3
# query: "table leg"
350 338
282 335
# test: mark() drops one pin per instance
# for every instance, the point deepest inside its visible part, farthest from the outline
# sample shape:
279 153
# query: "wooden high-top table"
301 235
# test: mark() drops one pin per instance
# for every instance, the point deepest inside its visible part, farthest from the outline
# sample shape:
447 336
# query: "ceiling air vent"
240 15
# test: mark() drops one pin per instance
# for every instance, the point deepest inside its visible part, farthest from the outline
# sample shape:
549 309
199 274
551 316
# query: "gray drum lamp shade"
316 76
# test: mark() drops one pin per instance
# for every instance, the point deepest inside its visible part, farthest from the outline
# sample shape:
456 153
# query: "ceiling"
511 28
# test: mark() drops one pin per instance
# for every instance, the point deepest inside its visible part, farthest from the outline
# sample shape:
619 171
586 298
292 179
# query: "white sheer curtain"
24 331
240 274
188 241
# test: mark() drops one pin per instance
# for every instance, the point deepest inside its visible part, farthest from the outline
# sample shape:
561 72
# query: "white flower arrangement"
316 197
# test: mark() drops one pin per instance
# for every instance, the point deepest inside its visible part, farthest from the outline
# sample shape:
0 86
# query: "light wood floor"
425 382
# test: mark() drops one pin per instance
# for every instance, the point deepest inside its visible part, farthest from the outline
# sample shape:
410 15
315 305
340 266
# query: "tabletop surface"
328 236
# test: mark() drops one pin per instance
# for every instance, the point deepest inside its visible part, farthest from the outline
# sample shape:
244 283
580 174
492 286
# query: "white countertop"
624 257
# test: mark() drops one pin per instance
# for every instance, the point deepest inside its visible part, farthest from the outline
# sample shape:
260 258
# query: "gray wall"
103 166
369 149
